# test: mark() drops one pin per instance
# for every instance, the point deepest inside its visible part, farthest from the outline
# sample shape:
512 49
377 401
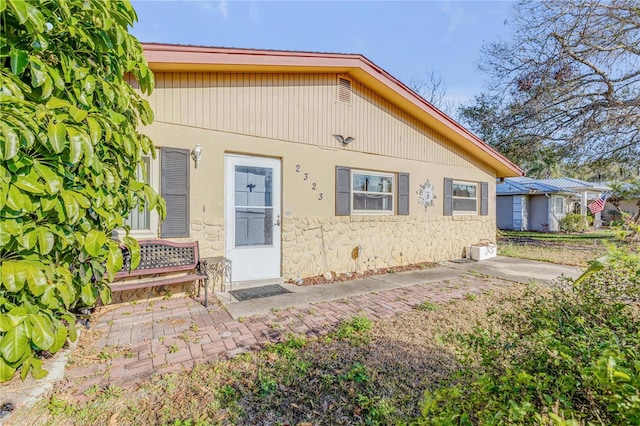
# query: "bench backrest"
159 256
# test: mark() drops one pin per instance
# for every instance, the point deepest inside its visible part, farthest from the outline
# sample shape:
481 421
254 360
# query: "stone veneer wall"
210 236
314 246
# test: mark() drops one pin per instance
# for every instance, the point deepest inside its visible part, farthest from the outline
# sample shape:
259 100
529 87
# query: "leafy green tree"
69 151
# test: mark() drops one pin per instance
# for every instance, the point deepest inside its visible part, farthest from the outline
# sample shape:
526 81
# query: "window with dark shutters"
174 189
403 193
343 191
484 194
448 197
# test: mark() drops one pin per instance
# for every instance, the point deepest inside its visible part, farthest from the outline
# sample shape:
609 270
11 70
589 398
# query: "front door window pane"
253 206
254 227
253 186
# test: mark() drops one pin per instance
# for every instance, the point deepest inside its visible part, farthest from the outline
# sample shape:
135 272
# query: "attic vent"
344 90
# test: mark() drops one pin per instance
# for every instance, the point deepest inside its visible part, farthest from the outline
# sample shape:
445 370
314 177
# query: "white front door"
252 217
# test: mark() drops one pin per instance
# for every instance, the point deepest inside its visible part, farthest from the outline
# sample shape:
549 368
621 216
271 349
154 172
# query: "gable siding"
300 108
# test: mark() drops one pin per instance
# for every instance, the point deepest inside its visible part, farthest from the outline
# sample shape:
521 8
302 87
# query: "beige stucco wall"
292 117
424 235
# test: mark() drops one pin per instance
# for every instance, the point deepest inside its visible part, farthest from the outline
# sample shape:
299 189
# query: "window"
144 223
364 192
465 197
372 192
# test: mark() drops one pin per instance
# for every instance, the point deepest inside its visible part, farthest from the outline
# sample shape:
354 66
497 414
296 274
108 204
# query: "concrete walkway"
507 268
130 342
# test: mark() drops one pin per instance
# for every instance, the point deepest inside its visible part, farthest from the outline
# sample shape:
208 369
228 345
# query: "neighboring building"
525 204
630 205
311 163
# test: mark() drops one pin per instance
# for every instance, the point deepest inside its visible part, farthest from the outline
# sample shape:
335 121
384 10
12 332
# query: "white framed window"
372 192
142 222
465 198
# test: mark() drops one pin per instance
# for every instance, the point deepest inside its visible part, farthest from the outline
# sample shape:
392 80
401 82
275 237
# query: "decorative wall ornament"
427 194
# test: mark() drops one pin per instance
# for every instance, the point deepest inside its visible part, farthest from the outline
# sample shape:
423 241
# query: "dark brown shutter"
448 197
174 189
403 193
484 194
343 191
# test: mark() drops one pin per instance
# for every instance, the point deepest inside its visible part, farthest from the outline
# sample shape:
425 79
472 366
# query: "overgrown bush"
573 223
69 151
569 356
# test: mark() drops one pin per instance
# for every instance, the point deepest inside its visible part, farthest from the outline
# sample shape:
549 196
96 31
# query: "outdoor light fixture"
344 141
196 154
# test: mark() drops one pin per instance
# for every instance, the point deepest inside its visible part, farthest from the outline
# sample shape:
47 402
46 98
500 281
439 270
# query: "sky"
409 39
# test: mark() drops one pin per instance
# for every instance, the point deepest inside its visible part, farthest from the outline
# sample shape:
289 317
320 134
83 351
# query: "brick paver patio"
131 342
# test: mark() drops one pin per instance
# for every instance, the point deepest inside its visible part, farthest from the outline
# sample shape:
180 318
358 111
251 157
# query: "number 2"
313 186
297 168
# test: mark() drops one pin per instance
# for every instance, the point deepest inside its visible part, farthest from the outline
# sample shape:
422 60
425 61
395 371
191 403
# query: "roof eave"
167 58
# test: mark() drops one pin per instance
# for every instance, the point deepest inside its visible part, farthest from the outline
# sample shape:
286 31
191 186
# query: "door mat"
259 292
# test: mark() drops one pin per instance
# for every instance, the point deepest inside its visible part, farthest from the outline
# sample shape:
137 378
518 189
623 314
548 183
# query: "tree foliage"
69 150
569 79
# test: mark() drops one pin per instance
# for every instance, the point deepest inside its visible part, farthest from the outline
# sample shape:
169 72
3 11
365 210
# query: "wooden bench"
160 260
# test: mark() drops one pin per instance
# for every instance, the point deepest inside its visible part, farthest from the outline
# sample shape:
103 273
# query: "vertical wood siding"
300 108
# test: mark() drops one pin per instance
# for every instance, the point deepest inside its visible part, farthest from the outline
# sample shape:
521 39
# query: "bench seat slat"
156 283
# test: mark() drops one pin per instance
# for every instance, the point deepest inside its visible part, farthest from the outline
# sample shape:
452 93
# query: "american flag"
598 205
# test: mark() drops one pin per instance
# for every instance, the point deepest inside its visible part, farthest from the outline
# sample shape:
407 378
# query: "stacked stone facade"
316 245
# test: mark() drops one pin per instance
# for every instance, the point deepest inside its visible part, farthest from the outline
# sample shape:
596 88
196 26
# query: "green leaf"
65 293
94 242
53 181
105 295
36 368
46 240
71 324
6 371
42 331
20 9
54 103
77 114
14 345
11 142
95 130
114 261
15 199
70 206
19 61
60 337
36 278
87 294
13 277
57 133
76 145
5 323
134 251
29 183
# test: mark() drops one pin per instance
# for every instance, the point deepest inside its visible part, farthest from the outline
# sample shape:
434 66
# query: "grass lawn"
567 249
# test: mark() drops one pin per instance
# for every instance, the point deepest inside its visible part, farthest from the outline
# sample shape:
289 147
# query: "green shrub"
567 356
573 223
69 153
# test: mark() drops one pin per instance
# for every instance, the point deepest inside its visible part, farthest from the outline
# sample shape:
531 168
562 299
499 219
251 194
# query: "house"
629 205
525 204
295 164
